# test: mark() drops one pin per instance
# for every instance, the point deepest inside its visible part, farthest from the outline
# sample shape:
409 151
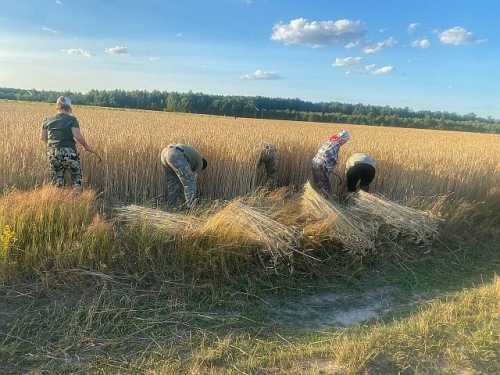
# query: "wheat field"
411 163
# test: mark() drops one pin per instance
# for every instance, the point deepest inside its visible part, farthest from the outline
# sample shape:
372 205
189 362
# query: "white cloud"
154 59
49 30
179 35
318 33
261 75
383 71
118 50
421 43
380 46
370 69
352 45
457 36
59 2
412 27
347 61
77 52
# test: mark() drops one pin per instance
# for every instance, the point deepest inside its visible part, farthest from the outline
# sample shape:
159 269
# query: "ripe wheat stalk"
410 162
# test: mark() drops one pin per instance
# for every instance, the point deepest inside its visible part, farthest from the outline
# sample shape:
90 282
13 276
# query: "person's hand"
88 148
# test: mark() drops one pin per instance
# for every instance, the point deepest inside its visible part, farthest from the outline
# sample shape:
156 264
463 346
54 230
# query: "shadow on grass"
113 322
77 321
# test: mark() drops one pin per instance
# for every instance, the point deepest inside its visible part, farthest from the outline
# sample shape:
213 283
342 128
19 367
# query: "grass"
110 324
51 229
159 318
205 294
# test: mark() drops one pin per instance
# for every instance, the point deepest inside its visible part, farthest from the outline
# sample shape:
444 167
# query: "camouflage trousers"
62 160
181 180
269 160
321 179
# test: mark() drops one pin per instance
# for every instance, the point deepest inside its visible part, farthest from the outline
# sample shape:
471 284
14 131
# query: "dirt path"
329 310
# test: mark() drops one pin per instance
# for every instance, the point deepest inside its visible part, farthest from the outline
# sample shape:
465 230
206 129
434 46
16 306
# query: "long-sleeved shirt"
327 155
192 155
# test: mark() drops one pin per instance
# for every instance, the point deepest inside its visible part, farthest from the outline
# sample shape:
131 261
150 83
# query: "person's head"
342 137
205 164
63 104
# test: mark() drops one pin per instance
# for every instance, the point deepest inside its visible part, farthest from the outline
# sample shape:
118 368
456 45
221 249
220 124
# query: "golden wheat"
173 224
410 162
238 224
333 222
418 226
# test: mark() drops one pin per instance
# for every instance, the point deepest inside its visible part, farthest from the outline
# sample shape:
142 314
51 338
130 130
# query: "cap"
62 100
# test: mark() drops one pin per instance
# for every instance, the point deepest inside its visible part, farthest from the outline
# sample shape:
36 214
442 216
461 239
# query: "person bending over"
182 164
325 161
360 170
268 162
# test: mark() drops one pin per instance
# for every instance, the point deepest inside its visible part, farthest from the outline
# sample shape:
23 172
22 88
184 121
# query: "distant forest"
269 108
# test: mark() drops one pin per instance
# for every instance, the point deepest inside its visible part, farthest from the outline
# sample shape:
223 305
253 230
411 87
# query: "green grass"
443 314
109 324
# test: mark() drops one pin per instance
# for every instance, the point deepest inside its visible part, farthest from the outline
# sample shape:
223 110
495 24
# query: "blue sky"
438 55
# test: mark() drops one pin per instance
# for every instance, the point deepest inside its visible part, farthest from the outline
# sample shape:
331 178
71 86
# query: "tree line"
264 107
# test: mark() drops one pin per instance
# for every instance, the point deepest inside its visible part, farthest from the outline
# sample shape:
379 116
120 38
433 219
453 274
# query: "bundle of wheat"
239 225
415 225
174 224
335 223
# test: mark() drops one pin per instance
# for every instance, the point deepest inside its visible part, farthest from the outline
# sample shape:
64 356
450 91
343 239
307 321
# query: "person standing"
59 133
360 169
182 164
325 161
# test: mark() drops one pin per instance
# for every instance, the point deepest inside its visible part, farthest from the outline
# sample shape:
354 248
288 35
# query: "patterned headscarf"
342 137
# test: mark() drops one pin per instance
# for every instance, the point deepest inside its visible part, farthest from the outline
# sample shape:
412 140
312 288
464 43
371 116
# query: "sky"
425 54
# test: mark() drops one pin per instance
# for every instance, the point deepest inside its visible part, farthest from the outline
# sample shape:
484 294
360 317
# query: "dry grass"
411 162
53 229
457 335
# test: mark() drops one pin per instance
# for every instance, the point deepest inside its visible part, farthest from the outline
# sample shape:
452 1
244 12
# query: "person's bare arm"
44 136
77 134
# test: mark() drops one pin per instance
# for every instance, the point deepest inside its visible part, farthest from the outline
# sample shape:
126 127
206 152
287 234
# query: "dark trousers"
362 174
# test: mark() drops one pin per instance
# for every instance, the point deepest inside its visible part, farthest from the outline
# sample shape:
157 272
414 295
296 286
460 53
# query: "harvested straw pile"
334 223
282 205
173 224
413 225
239 225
